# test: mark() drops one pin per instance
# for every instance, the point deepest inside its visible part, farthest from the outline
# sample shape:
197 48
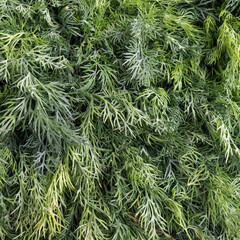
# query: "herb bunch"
119 119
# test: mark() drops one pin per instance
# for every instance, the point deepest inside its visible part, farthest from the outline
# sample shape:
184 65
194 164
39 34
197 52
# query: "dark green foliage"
119 119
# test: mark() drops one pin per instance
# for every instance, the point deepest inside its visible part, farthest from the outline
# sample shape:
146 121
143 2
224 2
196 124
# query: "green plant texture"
119 119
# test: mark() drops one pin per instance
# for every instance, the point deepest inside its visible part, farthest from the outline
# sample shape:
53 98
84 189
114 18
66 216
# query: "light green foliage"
119 119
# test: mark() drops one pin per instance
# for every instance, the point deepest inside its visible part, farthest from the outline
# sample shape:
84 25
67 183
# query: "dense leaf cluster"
119 119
